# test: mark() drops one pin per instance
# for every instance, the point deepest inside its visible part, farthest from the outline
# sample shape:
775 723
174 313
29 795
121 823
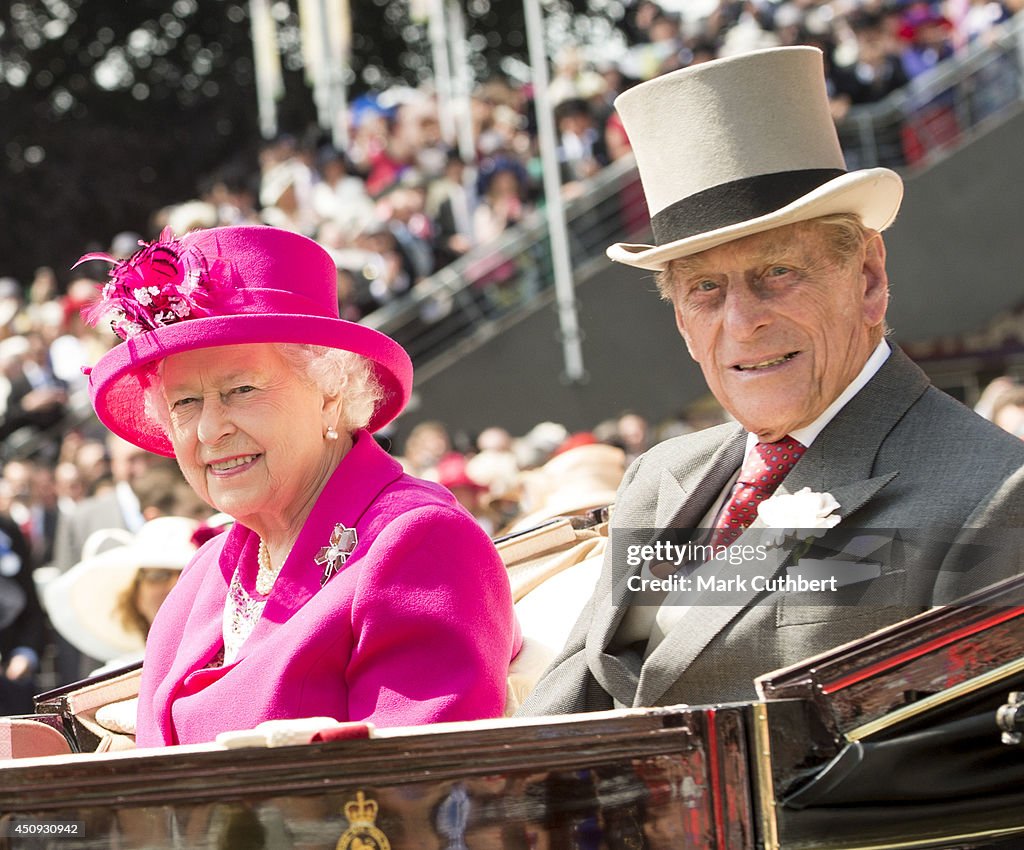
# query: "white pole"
267 64
338 25
442 70
565 292
461 80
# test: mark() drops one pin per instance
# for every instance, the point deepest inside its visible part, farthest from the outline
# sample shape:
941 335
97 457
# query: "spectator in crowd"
105 604
452 472
403 208
340 195
995 389
162 491
877 71
426 444
581 150
392 271
43 290
397 156
573 78
22 623
581 478
634 432
934 123
33 505
502 190
751 31
286 187
928 36
980 19
11 307
494 439
115 507
538 444
31 396
70 490
92 461
1008 411
450 204
73 343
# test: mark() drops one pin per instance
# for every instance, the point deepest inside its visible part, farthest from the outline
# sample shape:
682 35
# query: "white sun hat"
741 145
83 602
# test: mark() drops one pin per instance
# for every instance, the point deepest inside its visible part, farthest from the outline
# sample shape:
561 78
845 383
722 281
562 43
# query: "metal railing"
942 109
470 300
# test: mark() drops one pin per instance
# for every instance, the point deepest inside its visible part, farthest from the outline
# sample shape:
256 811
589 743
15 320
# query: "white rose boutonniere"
804 511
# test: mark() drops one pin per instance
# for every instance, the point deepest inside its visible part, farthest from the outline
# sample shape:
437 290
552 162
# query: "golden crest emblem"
361 833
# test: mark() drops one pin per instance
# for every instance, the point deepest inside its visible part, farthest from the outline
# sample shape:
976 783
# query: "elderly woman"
345 588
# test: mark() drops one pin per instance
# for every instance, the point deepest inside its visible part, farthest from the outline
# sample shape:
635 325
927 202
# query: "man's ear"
681 326
875 280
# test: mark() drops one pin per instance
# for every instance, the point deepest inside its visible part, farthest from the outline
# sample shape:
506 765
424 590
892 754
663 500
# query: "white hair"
338 373
332 372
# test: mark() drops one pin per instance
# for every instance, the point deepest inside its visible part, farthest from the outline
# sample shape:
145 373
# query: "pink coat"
417 627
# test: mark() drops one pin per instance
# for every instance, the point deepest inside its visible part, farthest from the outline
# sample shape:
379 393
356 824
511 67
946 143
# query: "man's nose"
745 312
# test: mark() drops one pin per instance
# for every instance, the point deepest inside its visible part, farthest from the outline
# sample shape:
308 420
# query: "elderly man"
770 254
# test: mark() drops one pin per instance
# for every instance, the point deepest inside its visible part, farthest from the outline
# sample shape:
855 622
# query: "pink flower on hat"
159 285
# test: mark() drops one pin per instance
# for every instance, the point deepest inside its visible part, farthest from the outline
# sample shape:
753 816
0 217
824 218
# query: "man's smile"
765 364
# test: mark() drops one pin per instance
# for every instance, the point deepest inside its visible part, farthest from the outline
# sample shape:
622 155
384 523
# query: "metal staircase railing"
942 109
469 301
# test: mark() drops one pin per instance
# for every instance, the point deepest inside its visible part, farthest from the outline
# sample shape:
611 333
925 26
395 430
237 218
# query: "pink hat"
224 286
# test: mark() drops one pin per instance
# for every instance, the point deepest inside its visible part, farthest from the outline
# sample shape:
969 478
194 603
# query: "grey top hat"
738 146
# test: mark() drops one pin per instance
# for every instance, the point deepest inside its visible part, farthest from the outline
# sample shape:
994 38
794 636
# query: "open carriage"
906 738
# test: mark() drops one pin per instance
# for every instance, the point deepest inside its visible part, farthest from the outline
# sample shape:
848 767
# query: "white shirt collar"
809 433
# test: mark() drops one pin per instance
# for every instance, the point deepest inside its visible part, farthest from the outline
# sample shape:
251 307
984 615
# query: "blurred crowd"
401 201
394 206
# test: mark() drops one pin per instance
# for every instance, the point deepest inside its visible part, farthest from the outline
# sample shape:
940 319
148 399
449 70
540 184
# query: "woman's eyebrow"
239 375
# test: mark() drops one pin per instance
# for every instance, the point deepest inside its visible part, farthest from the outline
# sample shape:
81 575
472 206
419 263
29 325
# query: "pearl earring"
331 433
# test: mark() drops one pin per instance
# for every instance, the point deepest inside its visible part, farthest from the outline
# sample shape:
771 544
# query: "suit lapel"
839 462
683 499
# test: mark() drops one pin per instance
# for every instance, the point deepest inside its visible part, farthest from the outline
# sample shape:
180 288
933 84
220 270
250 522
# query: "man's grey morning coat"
901 456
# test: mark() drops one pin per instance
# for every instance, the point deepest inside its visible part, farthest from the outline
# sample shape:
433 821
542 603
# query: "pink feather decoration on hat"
157 286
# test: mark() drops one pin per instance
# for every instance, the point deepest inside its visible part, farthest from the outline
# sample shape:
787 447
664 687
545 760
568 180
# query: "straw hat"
738 146
224 286
83 602
574 482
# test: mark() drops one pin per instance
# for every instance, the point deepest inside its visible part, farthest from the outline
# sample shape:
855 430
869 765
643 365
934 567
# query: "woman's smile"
232 466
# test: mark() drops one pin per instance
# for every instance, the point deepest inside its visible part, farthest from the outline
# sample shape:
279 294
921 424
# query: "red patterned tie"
760 476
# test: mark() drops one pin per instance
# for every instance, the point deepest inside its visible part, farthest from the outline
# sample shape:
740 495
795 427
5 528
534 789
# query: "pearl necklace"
267 573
